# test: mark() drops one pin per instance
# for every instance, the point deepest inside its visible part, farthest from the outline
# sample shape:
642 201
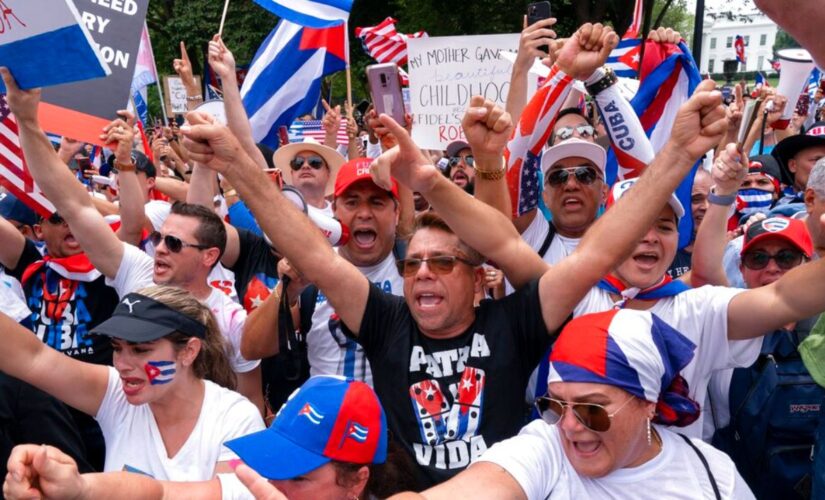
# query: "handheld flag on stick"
739 46
312 13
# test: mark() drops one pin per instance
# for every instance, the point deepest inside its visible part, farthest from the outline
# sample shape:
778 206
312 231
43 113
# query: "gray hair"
816 180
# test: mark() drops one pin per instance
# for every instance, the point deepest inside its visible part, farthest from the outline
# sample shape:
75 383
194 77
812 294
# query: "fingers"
183 54
8 80
609 42
326 105
257 485
404 140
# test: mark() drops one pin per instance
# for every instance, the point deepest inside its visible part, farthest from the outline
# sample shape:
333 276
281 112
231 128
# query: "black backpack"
775 412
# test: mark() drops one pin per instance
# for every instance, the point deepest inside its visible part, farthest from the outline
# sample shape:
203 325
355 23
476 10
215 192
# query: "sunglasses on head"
468 160
591 415
565 133
443 264
584 175
316 162
173 243
785 259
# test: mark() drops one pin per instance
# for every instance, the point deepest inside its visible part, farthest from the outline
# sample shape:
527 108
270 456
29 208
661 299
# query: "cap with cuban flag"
328 418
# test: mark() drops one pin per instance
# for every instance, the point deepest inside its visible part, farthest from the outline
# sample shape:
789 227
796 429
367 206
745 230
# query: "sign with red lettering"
445 72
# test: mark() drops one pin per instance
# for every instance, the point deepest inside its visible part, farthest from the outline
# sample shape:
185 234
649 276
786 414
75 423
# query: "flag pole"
157 76
223 17
349 77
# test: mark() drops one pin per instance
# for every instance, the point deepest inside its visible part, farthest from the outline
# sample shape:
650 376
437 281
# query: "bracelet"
605 82
125 167
491 175
723 200
194 97
231 192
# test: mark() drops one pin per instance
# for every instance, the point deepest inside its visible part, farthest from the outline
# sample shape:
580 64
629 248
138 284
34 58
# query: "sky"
716 5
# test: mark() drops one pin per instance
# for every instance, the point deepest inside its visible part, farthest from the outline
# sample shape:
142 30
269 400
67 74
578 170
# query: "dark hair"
431 220
572 111
395 475
212 362
210 231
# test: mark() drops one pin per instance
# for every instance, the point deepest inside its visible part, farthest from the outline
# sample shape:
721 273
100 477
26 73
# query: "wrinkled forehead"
431 241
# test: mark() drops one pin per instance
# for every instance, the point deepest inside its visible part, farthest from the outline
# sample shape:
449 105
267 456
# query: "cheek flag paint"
160 372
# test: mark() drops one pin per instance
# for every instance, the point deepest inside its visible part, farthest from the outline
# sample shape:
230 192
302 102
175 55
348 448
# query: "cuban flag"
759 80
669 77
160 372
357 432
739 47
311 414
523 152
752 201
813 81
312 13
625 58
44 43
284 79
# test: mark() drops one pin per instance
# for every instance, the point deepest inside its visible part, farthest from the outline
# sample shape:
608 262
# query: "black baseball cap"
138 318
142 163
790 146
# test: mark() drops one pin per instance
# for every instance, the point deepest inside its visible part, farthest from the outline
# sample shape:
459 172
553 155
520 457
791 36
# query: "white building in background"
719 35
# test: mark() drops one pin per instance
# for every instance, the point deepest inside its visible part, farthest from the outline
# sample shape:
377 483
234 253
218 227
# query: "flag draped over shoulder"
284 79
312 13
523 152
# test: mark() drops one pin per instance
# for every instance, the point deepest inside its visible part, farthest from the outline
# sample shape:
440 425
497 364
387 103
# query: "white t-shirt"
536 460
330 352
157 211
535 234
135 272
12 299
701 315
133 441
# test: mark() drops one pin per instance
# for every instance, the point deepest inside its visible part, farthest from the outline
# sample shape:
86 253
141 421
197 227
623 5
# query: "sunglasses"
443 264
565 133
173 243
584 175
590 415
56 219
316 162
785 259
468 160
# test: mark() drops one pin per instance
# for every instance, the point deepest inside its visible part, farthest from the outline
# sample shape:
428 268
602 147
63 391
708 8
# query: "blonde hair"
211 362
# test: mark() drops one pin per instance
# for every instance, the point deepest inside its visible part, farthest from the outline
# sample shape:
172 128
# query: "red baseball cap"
791 230
354 171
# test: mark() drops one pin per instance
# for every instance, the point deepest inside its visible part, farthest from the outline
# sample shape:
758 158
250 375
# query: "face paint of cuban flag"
160 372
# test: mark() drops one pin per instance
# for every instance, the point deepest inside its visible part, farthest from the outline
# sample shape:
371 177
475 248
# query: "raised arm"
59 185
709 247
532 38
132 213
295 236
13 244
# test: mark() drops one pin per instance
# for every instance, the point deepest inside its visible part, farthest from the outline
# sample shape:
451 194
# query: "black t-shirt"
681 264
448 400
256 270
64 311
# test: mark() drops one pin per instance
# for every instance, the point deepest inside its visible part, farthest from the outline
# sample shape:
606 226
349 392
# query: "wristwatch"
723 200
125 167
603 83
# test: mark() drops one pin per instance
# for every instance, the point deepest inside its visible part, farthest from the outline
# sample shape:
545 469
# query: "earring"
649 436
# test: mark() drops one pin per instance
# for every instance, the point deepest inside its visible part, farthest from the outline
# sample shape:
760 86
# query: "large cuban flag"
284 79
312 13
44 43
624 59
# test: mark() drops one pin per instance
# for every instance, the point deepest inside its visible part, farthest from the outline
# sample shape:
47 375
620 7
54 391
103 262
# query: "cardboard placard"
174 93
445 72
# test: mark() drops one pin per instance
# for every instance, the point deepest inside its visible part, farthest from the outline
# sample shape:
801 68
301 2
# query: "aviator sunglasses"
443 264
591 415
584 175
316 162
468 160
565 133
173 243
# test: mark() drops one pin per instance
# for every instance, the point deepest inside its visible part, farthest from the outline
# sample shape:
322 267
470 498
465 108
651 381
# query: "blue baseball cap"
328 418
11 208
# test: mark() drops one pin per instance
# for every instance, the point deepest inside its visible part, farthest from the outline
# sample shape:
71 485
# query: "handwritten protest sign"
79 110
42 50
445 72
175 94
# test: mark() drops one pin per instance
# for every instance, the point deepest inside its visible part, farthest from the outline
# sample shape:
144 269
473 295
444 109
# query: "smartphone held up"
385 89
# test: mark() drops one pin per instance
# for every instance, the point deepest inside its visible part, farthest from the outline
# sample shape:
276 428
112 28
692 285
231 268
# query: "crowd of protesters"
197 336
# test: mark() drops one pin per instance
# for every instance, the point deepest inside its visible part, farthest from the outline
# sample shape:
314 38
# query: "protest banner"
175 94
42 50
81 109
445 72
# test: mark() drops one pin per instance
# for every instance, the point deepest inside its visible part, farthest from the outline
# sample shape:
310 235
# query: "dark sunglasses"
316 162
173 243
785 259
468 160
443 264
55 219
591 415
584 175
565 133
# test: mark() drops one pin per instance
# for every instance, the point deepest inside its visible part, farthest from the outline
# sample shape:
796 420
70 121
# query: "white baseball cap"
574 147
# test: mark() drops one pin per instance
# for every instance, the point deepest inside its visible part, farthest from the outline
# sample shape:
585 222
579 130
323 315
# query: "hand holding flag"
23 103
220 59
700 123
586 50
729 170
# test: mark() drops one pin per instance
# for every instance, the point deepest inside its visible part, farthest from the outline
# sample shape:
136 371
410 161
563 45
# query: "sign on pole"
445 72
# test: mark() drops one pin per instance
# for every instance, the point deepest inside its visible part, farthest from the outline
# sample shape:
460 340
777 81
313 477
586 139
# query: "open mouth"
428 300
572 203
460 178
646 259
364 238
132 386
161 267
586 448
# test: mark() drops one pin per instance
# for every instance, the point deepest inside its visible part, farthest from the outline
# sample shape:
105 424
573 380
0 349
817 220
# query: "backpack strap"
705 464
551 233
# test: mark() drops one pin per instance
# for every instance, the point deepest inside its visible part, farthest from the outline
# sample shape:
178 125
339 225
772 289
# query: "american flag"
523 151
384 44
300 129
14 175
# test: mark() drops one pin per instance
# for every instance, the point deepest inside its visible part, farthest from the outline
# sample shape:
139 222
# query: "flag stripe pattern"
301 129
624 59
312 13
523 152
384 43
636 24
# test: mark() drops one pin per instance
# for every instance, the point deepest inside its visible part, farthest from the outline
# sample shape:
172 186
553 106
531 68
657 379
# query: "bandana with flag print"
76 267
667 287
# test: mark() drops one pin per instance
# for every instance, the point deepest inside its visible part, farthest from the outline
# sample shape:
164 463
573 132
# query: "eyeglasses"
316 162
785 259
565 133
468 160
584 175
591 415
173 243
55 219
443 264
